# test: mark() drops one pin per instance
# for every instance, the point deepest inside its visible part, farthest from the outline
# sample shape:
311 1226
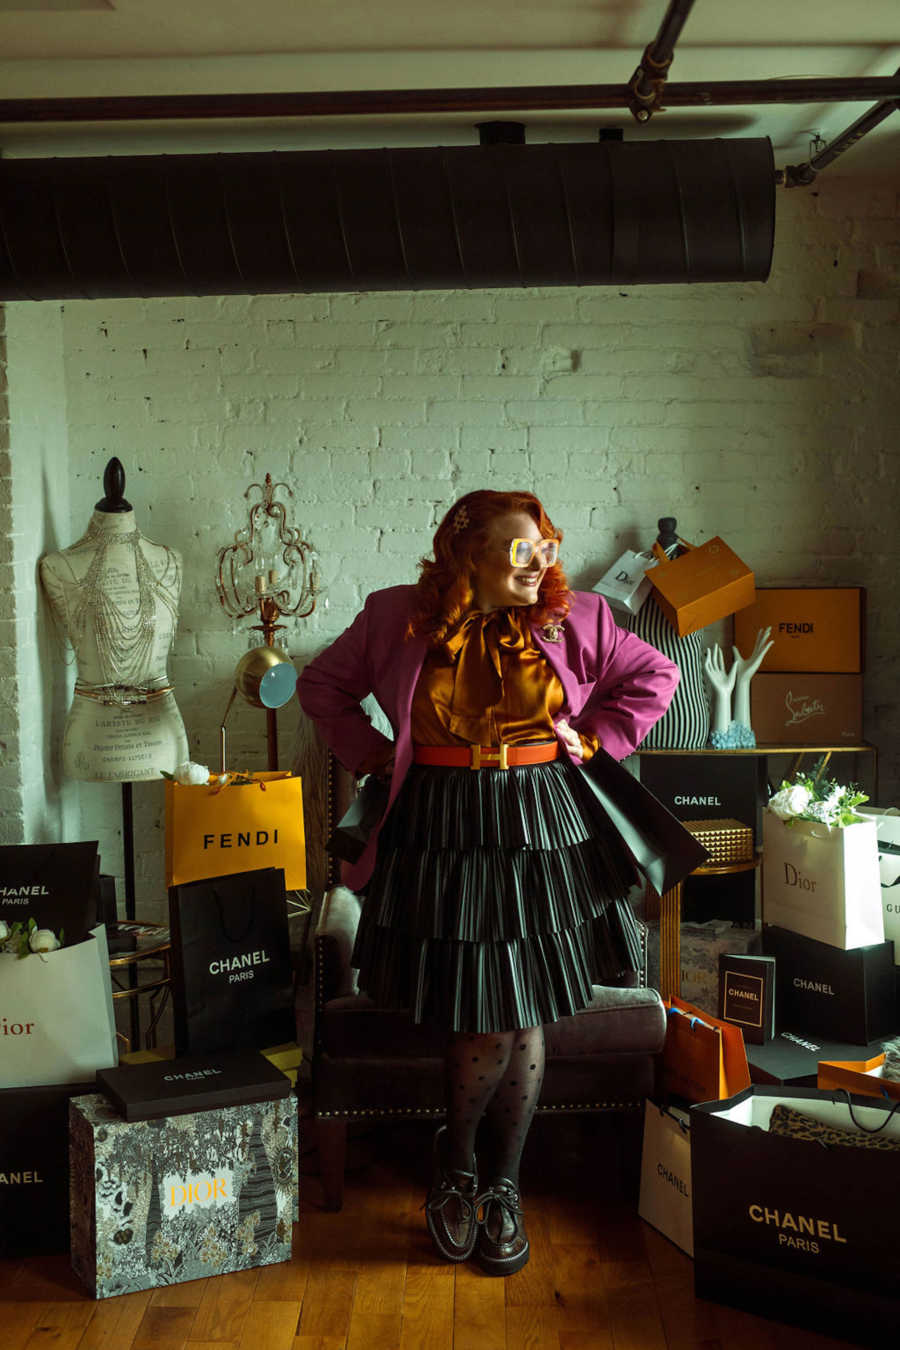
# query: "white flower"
189 774
42 940
790 801
4 930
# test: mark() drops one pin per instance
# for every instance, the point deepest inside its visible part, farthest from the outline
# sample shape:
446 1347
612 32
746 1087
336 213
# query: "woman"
494 898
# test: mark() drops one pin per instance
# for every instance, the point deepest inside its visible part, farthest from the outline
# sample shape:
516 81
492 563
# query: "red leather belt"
485 756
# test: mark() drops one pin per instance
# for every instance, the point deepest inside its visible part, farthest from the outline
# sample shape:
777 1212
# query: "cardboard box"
843 995
157 1202
804 709
791 1058
34 1168
815 628
791 1230
192 1083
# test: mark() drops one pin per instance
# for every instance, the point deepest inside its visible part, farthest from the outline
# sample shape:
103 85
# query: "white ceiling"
90 47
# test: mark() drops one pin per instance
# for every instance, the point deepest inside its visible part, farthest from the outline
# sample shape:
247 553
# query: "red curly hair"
445 589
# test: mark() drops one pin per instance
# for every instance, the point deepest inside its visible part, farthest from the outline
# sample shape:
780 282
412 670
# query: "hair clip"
460 519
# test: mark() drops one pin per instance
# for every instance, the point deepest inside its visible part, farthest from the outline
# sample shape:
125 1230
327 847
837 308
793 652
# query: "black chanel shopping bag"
232 980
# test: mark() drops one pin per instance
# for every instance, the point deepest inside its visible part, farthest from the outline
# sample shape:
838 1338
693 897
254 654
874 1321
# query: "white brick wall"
764 412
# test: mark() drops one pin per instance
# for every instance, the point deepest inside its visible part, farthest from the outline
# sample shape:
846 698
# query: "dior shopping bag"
626 584
701 585
793 1208
43 1041
659 844
232 978
213 832
665 1195
823 881
704 1058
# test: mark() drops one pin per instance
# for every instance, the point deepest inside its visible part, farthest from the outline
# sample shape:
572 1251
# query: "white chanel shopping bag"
823 880
665 1198
57 1023
625 585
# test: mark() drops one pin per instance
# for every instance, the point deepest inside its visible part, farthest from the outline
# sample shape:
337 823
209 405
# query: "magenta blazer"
615 685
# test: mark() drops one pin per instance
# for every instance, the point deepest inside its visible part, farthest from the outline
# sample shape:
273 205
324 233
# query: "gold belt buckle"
490 760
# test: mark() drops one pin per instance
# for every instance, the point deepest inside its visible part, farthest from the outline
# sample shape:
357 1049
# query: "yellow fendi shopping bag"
214 831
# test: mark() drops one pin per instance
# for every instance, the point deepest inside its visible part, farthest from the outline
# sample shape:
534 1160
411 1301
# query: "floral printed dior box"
154 1202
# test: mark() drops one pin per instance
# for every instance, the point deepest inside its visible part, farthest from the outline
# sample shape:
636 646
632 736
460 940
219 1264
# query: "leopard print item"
794 1124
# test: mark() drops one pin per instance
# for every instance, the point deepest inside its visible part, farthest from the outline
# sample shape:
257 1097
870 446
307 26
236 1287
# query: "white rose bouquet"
24 938
809 797
190 774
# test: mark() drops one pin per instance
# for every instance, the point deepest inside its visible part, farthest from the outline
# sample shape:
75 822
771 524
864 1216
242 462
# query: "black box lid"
792 1057
174 1087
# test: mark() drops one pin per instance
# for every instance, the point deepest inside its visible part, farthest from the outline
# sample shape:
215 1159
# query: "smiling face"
497 583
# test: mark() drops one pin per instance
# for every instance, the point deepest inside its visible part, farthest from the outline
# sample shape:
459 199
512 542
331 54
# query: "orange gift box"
704 584
857 1077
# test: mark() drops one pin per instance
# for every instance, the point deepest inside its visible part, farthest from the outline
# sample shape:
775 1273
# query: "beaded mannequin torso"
115 595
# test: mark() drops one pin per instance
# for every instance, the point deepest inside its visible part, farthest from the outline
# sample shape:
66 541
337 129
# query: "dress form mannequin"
115 595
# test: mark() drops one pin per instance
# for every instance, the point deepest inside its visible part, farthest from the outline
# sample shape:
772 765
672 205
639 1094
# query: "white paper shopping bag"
822 880
57 1023
625 585
887 827
665 1198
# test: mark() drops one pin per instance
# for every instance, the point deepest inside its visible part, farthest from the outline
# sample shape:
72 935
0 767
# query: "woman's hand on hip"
570 739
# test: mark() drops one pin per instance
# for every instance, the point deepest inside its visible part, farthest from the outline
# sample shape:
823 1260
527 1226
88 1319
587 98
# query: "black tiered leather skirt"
497 899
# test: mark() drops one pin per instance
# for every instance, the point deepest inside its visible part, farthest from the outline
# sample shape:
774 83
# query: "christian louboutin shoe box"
829 992
799 708
814 628
182 1197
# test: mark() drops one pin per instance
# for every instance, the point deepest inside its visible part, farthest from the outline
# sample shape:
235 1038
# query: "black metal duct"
361 220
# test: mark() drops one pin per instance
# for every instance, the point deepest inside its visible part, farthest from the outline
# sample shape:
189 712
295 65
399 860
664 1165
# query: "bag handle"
874 1129
660 553
221 908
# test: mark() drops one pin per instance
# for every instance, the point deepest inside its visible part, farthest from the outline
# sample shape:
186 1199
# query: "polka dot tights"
497 1076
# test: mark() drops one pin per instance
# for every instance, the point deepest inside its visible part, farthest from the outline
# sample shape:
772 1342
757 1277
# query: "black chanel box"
707 787
841 995
34 1168
174 1087
55 884
791 1058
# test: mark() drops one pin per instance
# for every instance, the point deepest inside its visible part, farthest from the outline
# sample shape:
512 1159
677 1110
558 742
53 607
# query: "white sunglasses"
521 551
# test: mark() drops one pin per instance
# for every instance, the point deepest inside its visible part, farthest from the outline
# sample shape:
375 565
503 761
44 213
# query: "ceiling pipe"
801 175
403 102
461 217
649 80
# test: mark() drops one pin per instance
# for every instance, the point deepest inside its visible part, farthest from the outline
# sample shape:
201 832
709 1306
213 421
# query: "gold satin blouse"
488 684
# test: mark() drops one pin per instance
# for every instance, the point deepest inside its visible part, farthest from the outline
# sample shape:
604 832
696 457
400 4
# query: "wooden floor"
367 1279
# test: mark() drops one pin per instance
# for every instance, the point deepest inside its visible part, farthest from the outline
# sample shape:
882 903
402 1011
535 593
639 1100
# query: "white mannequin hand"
746 668
722 684
570 739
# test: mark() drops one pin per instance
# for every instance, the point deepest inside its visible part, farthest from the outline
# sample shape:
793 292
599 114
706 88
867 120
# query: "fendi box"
813 628
34 1168
55 884
192 1083
792 1230
155 1202
825 990
807 709
791 1058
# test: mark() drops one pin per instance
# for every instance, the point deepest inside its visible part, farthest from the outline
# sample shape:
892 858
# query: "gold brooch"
552 632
